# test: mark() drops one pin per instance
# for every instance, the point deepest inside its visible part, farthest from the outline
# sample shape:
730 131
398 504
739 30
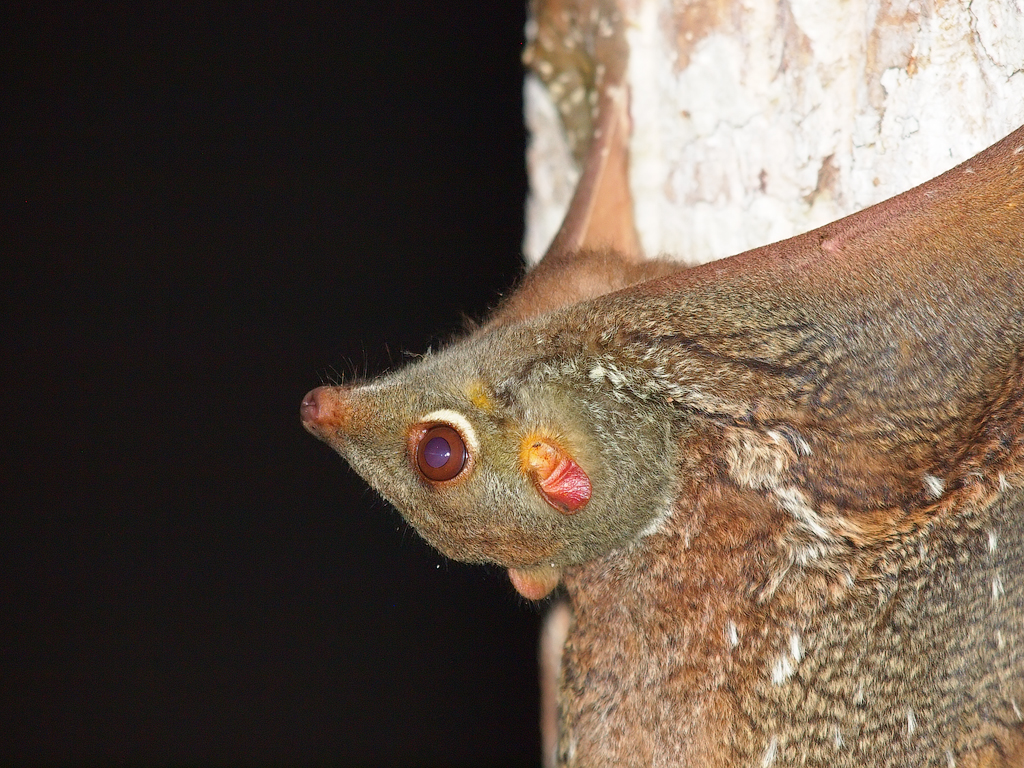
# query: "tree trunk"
756 120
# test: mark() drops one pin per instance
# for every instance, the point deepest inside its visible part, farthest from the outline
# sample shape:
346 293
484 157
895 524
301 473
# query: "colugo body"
784 491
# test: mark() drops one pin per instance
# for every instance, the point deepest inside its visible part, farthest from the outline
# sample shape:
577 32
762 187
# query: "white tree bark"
755 120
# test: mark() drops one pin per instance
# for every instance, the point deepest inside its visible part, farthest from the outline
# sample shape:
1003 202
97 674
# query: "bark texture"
755 120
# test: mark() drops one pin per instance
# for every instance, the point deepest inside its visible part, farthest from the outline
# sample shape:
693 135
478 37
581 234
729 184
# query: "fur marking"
934 485
782 670
770 752
791 438
795 647
794 502
997 588
657 523
732 634
753 463
808 554
458 422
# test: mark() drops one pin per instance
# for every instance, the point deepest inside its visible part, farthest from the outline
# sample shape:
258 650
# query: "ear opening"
560 480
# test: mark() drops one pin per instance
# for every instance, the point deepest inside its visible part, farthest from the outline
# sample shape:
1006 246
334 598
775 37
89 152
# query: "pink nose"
309 411
326 407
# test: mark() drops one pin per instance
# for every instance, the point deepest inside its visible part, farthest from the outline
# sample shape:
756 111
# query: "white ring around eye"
458 422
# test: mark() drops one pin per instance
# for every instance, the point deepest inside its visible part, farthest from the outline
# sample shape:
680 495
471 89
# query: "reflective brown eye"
440 453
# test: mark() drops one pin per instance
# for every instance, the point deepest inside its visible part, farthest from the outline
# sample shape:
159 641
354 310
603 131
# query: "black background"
208 211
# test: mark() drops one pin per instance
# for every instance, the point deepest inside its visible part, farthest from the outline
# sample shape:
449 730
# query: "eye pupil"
440 453
437 452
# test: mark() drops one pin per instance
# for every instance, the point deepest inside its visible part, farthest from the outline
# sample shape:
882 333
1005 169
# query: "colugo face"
493 459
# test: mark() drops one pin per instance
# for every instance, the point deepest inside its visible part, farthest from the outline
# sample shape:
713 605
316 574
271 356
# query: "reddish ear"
560 480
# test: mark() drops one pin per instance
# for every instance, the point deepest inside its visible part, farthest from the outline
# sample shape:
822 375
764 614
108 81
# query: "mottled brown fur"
805 543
